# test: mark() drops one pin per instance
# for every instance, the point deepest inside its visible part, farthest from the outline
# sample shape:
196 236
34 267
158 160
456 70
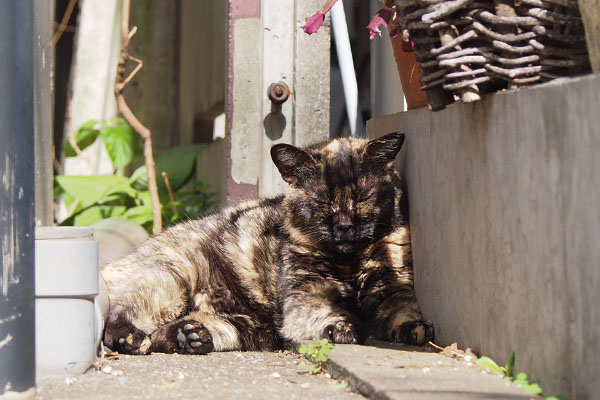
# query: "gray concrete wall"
505 219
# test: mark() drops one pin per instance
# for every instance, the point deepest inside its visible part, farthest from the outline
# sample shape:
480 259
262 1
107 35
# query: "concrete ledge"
384 371
505 220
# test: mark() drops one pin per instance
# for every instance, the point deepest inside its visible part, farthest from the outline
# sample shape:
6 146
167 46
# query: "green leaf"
121 142
96 213
510 364
85 136
94 188
145 198
311 368
559 397
339 386
489 364
521 376
533 388
140 214
178 162
302 349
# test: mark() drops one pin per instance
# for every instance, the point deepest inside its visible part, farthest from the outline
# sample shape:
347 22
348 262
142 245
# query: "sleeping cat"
329 259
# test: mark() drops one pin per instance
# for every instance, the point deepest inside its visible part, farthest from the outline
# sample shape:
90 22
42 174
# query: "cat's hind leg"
202 332
196 333
184 336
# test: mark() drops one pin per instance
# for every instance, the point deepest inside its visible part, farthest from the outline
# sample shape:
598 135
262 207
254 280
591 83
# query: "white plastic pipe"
344 53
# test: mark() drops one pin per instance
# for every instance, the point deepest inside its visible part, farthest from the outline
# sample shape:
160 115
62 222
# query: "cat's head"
344 193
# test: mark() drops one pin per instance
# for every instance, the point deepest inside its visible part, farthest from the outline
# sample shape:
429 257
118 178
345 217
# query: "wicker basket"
467 48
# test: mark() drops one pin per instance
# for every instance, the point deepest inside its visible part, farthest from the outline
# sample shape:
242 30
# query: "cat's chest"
306 266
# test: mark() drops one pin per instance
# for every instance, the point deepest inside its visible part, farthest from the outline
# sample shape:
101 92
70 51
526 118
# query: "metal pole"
43 65
17 319
344 53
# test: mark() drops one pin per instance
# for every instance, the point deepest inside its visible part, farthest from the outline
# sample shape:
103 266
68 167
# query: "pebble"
70 380
305 385
107 369
275 375
116 373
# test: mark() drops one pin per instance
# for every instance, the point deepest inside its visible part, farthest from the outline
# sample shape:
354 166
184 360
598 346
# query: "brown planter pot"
410 75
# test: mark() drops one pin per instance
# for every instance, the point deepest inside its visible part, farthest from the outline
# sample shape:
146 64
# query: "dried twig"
130 117
170 191
63 22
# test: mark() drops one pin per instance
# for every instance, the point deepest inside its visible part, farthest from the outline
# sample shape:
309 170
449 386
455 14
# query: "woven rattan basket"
467 48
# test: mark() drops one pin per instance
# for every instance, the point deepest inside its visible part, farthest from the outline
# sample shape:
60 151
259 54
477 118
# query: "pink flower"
314 22
381 18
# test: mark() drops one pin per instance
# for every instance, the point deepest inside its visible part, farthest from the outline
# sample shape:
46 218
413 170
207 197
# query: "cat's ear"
295 165
383 151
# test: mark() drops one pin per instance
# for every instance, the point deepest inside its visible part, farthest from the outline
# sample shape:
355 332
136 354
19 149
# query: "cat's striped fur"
330 258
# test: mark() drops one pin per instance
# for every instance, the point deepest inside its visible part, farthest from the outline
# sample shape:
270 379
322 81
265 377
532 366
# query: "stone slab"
385 371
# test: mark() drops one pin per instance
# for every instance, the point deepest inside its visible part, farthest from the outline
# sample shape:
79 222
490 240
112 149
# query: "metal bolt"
278 92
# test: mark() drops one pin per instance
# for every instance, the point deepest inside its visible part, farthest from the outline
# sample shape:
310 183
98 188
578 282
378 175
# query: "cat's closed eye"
364 196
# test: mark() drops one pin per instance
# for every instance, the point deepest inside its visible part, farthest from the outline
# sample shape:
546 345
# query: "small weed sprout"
507 372
316 353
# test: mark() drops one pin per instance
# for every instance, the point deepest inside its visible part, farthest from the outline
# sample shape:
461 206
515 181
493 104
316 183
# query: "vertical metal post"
17 319
43 63
344 53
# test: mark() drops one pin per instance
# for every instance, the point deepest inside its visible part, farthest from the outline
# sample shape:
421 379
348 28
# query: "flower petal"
313 23
381 18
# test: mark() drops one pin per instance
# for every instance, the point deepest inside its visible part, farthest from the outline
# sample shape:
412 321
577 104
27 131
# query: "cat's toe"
416 332
194 338
343 332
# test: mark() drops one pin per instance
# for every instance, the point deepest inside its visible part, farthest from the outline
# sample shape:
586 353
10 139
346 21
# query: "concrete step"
380 370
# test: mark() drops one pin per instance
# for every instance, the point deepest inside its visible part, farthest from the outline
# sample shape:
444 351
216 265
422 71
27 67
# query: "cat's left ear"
383 151
295 165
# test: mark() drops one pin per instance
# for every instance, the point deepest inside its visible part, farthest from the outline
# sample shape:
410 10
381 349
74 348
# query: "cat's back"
237 244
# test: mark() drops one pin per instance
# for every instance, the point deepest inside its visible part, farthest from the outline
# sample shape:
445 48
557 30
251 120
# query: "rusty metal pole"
17 319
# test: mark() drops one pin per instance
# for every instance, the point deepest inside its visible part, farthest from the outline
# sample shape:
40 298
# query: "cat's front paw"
193 338
416 333
343 332
122 336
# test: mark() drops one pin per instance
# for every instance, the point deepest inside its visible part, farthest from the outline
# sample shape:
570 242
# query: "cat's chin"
347 247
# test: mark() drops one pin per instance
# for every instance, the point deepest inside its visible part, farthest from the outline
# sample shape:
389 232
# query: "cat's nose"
345 226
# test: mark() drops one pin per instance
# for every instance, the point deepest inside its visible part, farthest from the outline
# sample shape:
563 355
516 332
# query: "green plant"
507 372
338 386
316 352
94 197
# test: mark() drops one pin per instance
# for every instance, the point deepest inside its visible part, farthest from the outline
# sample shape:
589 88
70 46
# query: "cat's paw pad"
122 336
342 332
194 338
136 342
416 332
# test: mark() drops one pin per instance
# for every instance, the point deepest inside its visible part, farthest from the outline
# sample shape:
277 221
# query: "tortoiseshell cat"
331 258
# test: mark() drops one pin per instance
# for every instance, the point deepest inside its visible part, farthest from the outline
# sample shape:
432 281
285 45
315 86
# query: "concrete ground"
377 370
230 375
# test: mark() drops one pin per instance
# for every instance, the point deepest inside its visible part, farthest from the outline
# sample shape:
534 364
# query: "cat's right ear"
294 164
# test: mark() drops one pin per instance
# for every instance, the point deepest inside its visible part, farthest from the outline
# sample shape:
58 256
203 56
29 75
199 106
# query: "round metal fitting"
278 92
